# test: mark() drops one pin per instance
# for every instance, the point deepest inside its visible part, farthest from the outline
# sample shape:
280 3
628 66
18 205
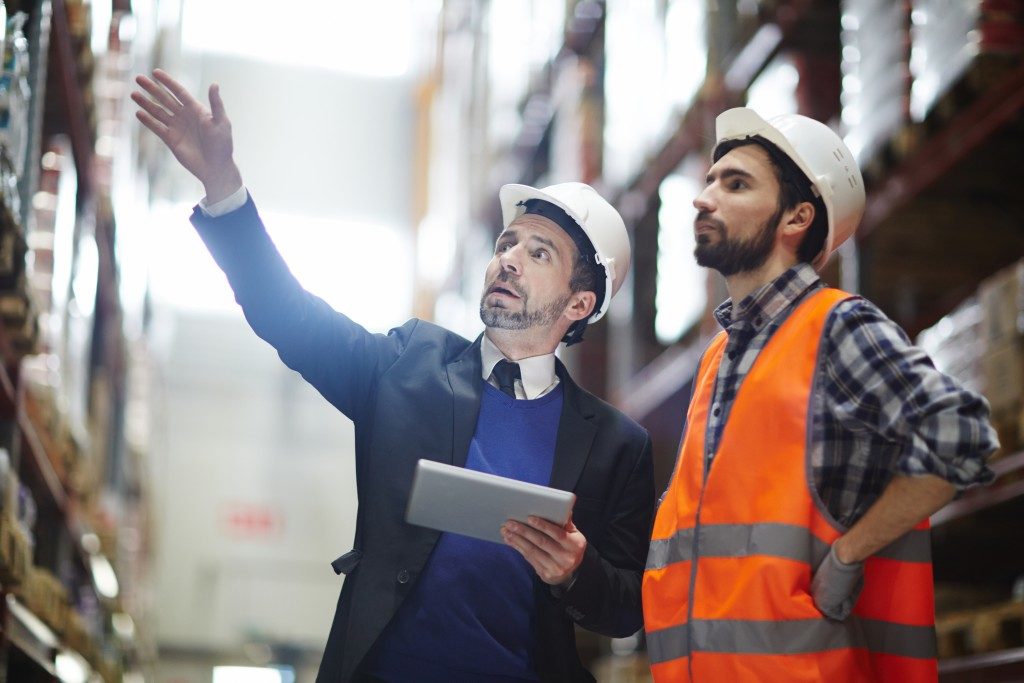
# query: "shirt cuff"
232 202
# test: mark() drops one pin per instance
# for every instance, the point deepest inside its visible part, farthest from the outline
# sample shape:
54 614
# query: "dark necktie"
506 372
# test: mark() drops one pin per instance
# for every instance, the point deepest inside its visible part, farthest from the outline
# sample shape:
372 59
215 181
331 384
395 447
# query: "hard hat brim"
513 194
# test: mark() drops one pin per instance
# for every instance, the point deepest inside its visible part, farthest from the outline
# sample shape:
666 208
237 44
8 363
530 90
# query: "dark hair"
795 187
587 274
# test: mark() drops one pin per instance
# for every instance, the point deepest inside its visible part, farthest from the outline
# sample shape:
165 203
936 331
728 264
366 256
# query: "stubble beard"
522 319
729 257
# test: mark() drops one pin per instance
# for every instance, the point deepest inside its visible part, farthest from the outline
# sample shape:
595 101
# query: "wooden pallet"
988 629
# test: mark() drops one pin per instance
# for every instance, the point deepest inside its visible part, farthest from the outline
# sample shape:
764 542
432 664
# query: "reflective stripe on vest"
790 637
726 590
777 540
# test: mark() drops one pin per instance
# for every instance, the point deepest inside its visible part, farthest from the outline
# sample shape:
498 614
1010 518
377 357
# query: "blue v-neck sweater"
470 615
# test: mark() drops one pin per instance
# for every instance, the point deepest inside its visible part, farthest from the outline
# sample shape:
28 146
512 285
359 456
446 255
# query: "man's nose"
509 261
704 201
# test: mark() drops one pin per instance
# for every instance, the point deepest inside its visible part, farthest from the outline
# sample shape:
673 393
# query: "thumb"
217 104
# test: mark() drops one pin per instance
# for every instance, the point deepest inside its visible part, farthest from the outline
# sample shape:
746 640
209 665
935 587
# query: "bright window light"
773 93
374 39
247 674
360 268
681 291
686 53
634 71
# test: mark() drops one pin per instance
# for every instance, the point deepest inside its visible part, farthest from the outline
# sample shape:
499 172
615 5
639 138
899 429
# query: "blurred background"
171 495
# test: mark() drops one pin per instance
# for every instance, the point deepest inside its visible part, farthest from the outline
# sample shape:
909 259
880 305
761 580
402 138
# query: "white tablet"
450 498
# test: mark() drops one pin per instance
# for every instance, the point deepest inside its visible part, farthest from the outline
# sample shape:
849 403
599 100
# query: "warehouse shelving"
915 258
1008 485
41 628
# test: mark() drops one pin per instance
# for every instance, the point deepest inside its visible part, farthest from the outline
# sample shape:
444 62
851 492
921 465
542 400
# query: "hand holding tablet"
461 501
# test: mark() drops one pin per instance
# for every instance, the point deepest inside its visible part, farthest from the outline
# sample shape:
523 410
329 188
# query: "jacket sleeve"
605 595
337 356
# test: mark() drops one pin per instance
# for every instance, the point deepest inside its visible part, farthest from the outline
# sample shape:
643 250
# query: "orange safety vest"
726 592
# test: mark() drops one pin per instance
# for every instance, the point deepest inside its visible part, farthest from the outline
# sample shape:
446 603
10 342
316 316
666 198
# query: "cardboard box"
1002 306
1003 372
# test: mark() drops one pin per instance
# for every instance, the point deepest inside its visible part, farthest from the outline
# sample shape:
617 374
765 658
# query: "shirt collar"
537 372
761 306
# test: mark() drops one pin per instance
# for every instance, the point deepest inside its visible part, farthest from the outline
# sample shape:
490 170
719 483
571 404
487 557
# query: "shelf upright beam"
82 142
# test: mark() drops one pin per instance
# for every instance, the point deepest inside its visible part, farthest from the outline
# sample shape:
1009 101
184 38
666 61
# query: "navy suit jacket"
415 393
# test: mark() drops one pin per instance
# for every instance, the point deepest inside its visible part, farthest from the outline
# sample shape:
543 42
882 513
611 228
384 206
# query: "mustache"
705 217
504 281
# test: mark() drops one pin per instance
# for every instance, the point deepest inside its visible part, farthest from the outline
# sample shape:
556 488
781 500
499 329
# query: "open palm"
199 137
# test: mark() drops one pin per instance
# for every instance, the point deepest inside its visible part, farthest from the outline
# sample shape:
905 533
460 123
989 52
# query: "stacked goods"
952 38
1002 314
46 597
987 629
16 510
981 344
954 343
876 75
76 635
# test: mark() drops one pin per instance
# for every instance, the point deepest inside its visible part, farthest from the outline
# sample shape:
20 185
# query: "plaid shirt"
884 408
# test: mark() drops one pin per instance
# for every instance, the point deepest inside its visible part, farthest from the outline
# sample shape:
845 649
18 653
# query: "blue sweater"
470 616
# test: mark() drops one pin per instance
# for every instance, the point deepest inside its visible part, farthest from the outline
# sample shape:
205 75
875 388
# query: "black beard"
729 257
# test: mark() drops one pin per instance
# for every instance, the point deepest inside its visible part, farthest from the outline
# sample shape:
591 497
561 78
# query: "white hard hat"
820 154
599 220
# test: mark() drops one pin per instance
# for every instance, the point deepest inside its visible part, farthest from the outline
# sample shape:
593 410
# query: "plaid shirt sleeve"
880 383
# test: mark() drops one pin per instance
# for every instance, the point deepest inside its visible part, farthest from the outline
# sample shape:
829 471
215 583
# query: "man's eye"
502 247
737 185
542 254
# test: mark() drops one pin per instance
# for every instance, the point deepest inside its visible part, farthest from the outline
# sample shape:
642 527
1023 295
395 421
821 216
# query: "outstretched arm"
199 137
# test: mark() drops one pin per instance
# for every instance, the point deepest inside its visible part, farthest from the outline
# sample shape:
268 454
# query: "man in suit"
418 604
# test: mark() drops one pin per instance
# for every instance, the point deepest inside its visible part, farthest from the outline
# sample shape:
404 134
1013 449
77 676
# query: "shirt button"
716 409
732 355
403 576
758 320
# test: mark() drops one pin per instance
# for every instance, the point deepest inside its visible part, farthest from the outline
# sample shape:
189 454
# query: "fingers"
159 94
152 108
217 104
549 528
176 88
546 566
149 122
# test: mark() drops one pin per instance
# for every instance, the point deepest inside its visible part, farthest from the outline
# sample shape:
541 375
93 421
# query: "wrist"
223 184
844 553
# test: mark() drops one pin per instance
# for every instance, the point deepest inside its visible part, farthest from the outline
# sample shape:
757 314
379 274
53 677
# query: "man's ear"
797 221
581 305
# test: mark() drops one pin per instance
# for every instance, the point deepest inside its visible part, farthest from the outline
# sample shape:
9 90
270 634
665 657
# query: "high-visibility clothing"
726 591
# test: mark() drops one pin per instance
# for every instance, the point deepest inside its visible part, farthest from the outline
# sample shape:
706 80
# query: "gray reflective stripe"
668 644
666 551
790 638
739 540
913 546
779 540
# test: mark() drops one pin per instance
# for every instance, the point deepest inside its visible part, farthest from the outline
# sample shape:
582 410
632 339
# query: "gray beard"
505 319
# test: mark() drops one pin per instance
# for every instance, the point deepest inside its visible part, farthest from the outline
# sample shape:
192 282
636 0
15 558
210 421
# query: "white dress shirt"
537 373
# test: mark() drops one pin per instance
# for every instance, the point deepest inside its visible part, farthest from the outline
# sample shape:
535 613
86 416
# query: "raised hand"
199 137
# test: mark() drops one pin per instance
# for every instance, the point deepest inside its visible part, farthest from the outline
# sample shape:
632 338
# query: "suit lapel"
467 388
576 432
